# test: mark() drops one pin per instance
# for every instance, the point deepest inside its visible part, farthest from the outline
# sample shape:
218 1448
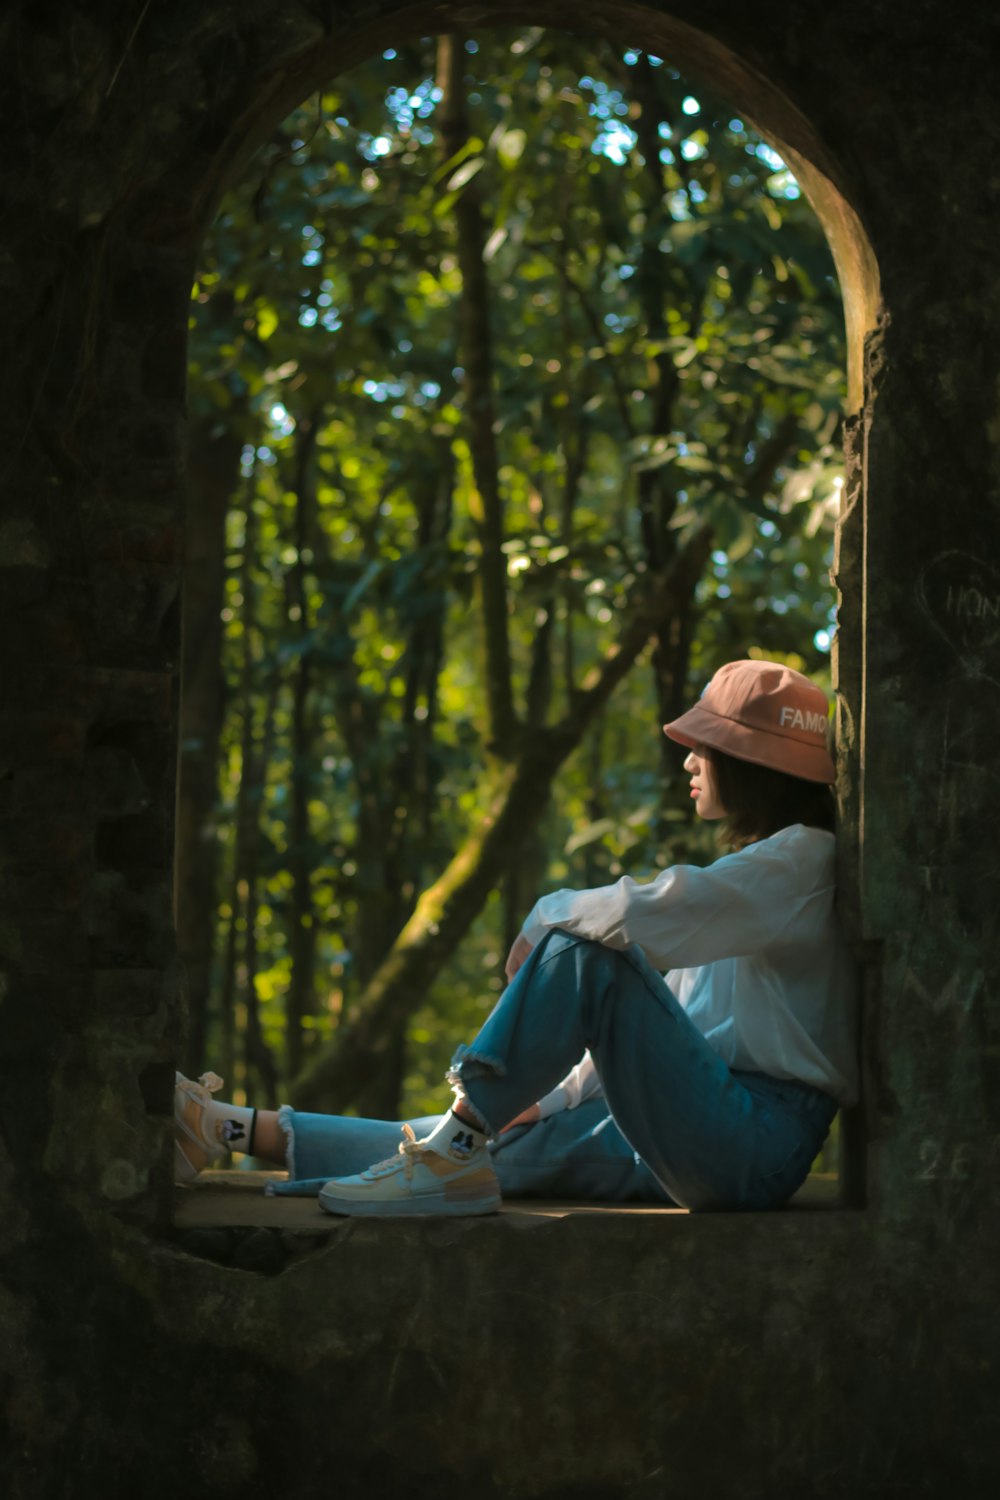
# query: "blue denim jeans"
675 1124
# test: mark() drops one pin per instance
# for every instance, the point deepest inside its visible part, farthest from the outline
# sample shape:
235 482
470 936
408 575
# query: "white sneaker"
419 1180
195 1144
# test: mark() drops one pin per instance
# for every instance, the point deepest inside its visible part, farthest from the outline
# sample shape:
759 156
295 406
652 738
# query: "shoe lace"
408 1149
207 1085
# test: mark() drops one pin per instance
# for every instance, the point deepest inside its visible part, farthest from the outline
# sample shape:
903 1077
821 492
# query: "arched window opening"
517 389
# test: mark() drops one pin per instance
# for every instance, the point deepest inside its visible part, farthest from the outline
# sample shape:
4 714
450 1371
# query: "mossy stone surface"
826 1354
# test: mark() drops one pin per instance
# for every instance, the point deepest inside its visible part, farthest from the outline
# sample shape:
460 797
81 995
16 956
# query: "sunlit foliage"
663 305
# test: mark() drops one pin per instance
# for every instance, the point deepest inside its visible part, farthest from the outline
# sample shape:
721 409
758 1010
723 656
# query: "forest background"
516 384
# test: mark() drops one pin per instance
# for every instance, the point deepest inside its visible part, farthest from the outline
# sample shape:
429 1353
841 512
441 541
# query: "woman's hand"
517 955
526 1117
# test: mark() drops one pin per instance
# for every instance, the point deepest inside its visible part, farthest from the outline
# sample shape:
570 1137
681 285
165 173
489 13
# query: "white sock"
230 1126
456 1138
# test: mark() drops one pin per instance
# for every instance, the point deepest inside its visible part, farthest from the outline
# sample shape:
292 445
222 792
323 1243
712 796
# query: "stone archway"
754 95
635 1347
854 256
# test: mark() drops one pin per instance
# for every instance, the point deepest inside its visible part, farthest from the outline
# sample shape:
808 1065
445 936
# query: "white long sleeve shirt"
752 950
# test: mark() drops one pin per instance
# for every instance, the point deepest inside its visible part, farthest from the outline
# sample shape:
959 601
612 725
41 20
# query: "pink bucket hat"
761 712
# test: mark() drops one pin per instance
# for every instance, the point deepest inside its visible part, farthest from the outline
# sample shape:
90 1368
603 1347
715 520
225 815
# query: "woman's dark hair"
759 801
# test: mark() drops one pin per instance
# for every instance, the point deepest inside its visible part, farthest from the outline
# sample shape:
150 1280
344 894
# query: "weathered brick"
128 992
839 1354
124 694
30 738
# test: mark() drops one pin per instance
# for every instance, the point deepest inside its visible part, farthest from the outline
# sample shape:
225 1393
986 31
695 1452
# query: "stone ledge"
223 1200
226 1218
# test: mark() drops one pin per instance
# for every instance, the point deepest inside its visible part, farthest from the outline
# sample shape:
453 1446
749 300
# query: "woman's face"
704 789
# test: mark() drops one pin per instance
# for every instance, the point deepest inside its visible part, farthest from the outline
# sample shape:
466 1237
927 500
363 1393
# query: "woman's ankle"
270 1142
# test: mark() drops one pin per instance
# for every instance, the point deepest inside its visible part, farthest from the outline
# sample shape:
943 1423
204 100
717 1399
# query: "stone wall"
826 1354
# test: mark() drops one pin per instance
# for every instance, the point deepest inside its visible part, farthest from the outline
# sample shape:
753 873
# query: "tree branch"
345 1068
477 362
662 596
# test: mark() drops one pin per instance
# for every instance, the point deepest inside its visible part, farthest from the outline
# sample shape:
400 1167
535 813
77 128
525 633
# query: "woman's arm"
579 1084
689 916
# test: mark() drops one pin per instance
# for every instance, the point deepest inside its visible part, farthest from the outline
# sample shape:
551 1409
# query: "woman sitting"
596 1077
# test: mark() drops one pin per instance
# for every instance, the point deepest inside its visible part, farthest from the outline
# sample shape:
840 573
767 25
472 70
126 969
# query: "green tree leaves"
665 357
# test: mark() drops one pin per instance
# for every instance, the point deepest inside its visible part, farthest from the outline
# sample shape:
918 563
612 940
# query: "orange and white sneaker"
196 1145
449 1173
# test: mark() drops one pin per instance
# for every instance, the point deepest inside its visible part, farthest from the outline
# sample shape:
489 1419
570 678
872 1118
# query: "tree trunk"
213 475
258 1062
476 355
260 1066
302 931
